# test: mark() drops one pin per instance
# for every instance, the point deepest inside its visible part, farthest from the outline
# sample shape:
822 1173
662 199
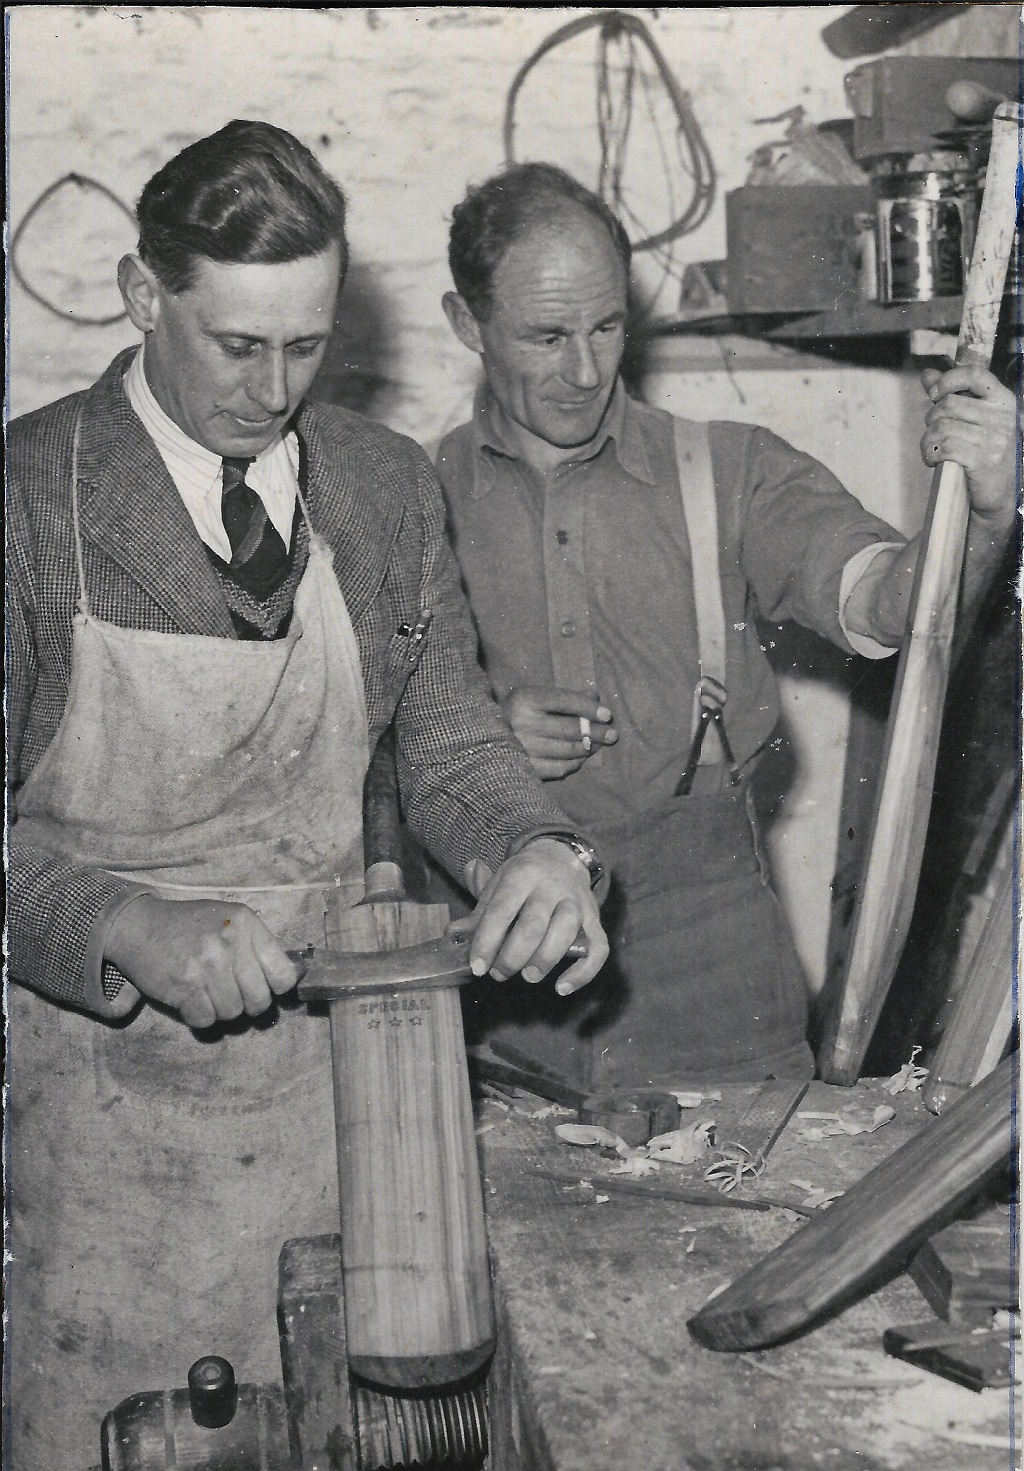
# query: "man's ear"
462 321
140 292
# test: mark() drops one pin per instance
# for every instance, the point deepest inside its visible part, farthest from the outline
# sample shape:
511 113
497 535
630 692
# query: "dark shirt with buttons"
581 578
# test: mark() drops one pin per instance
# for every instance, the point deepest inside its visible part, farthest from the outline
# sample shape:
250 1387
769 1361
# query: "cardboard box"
794 249
899 102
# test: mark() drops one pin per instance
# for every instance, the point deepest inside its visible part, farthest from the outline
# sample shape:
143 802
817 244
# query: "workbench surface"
596 1370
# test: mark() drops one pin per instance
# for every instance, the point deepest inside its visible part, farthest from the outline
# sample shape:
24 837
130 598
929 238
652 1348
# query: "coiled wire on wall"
67 314
613 123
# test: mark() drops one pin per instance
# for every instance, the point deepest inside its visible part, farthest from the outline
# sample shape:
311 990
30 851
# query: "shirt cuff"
856 568
107 992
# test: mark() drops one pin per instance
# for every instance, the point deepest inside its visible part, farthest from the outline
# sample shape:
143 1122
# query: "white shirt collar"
197 471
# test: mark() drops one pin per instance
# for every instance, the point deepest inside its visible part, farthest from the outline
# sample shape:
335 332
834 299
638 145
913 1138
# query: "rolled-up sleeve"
801 530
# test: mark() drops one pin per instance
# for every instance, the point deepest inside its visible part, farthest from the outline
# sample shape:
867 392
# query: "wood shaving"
589 1134
693 1099
728 1171
815 1195
908 1079
882 1115
637 1165
690 1247
821 1198
683 1146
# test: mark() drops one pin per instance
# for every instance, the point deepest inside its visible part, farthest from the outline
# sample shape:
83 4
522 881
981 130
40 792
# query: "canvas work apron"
703 981
154 1171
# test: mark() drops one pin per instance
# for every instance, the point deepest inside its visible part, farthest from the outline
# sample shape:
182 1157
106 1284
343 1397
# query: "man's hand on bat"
972 422
529 912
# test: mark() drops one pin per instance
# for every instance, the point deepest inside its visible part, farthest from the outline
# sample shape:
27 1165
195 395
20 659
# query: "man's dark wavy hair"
248 194
503 209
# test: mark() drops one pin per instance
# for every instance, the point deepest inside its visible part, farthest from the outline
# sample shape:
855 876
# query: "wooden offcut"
314 1358
969 1269
872 1229
978 1360
888 889
762 1121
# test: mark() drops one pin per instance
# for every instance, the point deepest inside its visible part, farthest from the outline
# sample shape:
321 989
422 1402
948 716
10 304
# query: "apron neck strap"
302 482
304 509
79 557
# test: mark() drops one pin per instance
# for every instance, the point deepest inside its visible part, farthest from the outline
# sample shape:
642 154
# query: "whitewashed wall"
404 106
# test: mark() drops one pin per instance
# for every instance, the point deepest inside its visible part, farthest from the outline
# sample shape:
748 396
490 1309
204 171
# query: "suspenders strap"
697 489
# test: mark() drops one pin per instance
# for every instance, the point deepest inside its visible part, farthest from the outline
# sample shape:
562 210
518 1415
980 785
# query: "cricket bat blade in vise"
326 975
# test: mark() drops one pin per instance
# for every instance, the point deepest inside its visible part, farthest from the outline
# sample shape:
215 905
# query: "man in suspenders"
219 595
615 560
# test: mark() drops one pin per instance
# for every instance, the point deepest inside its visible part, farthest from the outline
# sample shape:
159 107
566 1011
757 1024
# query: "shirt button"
568 628
561 537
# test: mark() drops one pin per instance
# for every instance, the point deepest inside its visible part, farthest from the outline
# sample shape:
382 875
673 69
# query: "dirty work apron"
155 1172
703 981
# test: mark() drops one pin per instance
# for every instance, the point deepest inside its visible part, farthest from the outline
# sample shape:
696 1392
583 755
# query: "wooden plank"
976 1360
981 1022
886 898
871 1229
761 1123
969 1268
314 1361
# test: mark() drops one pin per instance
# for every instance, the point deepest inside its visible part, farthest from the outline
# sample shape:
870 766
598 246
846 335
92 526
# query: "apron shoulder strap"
700 512
83 592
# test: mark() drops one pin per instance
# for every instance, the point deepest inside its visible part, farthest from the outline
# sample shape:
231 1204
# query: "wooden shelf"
857 320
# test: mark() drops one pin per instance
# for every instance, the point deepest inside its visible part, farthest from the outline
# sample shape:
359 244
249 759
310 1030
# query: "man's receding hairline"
556 223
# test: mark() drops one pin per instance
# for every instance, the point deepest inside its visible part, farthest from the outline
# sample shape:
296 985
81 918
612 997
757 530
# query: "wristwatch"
585 852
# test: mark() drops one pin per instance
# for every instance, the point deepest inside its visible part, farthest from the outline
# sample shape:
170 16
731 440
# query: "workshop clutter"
879 208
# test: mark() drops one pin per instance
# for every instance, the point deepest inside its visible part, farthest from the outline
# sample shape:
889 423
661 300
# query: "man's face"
230 358
552 345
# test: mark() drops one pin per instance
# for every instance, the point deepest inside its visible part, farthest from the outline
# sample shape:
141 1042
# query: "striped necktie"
259 558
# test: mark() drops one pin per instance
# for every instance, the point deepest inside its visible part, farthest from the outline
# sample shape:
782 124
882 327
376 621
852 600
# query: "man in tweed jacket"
169 716
467 788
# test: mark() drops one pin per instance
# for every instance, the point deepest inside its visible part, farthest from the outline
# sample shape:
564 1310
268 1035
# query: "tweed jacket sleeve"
468 787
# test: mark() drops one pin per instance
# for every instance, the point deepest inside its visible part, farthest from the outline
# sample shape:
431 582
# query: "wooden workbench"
597 1372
